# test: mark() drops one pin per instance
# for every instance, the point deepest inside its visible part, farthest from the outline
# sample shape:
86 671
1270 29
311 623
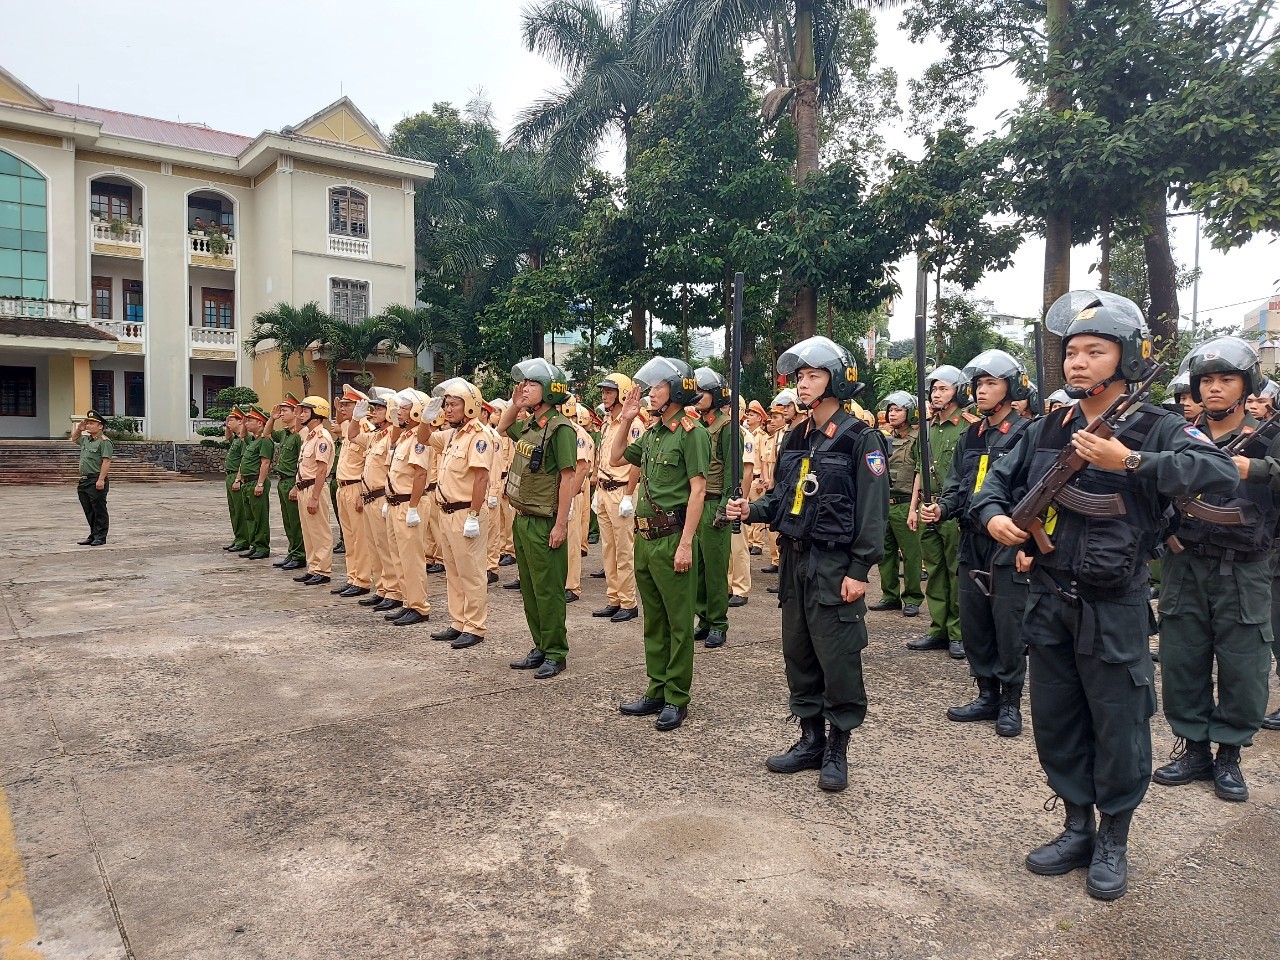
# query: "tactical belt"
455 507
898 501
610 485
1211 550
395 499
303 484
430 487
372 495
663 525
281 476
347 483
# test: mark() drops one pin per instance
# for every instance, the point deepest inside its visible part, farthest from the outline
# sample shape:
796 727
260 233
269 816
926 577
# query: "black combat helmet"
1225 355
711 382
1105 315
823 354
998 364
899 398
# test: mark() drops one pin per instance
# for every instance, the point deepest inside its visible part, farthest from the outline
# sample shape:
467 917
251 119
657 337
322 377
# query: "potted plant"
217 242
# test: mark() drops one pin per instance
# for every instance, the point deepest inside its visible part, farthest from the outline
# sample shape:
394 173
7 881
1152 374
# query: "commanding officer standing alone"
96 451
829 507
672 456
540 488
902 532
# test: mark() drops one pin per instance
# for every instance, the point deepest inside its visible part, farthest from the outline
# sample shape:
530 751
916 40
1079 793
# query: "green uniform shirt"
255 451
93 452
235 453
287 454
904 462
668 457
944 437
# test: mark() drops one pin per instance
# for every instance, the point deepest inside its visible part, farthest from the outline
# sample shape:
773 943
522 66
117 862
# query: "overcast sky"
260 65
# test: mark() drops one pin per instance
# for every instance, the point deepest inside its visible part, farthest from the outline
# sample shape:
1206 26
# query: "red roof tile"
190 135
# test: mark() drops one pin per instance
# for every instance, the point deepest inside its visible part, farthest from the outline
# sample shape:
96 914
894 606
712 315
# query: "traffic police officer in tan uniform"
314 464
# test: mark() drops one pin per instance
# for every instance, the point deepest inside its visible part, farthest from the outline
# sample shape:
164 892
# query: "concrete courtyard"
200 759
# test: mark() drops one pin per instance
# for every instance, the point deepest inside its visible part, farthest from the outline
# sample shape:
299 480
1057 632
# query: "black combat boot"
985 707
1069 850
805 753
1009 718
835 761
1109 871
1228 781
1191 760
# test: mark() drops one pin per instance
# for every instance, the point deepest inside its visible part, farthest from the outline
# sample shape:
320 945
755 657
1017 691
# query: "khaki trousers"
755 531
587 490
466 564
508 525
617 549
385 561
494 545
410 548
429 510
354 535
576 537
317 533
739 565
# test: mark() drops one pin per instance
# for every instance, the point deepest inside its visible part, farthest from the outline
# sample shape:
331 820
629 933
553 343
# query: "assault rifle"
1222 516
1054 487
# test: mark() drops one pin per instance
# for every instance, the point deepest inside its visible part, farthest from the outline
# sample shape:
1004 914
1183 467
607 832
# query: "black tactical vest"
821 510
1254 500
973 449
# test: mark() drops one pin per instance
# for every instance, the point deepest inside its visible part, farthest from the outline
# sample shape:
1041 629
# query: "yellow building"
134 251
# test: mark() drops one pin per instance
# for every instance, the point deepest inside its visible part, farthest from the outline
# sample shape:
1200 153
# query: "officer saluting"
1092 689
829 506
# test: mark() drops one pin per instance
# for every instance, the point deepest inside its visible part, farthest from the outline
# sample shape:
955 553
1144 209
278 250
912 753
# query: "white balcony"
198 422
43 309
211 343
126 331
117 238
203 251
357 248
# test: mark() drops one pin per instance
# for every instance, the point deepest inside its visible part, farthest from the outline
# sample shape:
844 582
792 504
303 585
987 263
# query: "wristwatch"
1132 462
474 513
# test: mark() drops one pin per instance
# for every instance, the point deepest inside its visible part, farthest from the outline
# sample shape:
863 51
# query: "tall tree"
353 343
291 332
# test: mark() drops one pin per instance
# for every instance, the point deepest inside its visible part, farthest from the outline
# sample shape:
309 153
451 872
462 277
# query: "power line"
1238 303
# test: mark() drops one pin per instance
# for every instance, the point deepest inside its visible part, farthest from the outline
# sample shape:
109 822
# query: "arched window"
24 237
348 212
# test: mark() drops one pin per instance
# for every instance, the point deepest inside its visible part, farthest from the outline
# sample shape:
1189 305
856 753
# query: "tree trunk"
1162 274
939 328
1104 261
1057 226
804 311
637 305
684 320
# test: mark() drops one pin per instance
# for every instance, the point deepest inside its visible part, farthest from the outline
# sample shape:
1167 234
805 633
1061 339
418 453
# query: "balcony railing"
354 247
43 309
198 422
215 338
126 331
117 238
201 252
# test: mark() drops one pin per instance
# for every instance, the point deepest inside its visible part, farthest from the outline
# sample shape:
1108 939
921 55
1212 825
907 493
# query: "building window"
135 395
111 201
133 301
17 391
104 392
212 386
102 298
24 239
349 300
219 308
348 212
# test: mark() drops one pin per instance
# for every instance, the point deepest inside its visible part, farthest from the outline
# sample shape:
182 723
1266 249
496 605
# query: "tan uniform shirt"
351 459
767 456
317 455
377 459
408 453
620 474
469 447
497 469
586 446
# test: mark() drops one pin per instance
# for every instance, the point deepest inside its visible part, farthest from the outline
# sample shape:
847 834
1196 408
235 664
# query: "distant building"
1261 326
1013 329
133 252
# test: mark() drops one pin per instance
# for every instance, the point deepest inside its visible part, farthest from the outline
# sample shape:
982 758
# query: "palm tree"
291 331
413 328
703 35
354 343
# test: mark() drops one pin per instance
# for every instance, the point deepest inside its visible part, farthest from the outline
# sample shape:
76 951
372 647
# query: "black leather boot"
1009 717
1109 871
985 707
1228 781
805 753
835 761
1190 761
1069 850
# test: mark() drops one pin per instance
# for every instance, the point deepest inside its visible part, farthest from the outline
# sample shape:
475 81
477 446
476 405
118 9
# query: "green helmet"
709 381
952 375
1105 315
555 385
998 364
899 398
823 354
1225 355
676 374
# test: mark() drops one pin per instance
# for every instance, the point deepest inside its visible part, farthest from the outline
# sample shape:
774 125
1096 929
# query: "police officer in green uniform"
288 448
673 456
902 532
253 484
234 434
715 535
1215 606
1092 684
829 505
948 396
540 490
96 451
993 592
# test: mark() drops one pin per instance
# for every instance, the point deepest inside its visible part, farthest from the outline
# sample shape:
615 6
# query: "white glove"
471 529
595 502
626 508
385 509
492 503
432 410
572 504
411 518
362 410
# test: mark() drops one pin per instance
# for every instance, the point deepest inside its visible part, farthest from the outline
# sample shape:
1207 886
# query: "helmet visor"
657 370
899 398
818 352
1059 317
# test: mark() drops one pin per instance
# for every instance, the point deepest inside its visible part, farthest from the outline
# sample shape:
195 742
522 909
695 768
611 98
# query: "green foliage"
225 399
890 375
121 428
291 331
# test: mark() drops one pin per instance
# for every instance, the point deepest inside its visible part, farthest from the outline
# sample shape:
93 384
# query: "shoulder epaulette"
969 417
689 424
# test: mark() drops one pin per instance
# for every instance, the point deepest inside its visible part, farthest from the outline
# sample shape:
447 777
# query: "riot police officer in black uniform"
829 505
1086 624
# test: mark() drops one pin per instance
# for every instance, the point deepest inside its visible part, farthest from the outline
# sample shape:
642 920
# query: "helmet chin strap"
1223 414
1075 393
